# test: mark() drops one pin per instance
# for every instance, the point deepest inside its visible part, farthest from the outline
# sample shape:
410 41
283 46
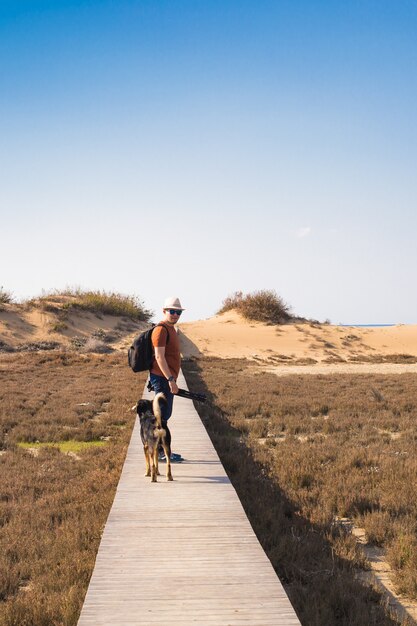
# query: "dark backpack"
140 353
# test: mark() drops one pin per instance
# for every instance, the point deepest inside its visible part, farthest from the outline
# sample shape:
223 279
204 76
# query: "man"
166 363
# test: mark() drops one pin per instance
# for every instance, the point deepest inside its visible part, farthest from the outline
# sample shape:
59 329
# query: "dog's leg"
169 474
157 460
153 466
166 443
148 467
167 450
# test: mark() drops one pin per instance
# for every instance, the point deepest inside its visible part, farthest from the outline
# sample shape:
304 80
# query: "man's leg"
160 384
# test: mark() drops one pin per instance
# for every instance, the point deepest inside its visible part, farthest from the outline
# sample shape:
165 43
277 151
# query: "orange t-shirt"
172 349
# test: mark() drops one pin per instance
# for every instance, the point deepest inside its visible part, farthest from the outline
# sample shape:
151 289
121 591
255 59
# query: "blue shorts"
160 383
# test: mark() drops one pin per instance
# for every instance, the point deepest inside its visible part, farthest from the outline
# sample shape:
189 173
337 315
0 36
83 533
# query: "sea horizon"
370 325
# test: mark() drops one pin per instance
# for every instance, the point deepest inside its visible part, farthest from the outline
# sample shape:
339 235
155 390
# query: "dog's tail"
156 405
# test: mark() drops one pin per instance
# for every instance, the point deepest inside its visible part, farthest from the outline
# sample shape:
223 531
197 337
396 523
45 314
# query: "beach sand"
230 336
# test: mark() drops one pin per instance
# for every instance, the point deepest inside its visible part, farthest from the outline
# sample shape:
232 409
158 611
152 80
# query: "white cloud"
303 232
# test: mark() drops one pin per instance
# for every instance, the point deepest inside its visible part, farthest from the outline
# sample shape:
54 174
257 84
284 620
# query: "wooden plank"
182 552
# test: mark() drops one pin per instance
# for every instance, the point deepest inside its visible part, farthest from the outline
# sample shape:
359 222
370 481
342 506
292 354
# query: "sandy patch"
394 435
341 368
33 451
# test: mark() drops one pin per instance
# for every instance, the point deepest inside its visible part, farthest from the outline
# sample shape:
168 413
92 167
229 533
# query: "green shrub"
262 306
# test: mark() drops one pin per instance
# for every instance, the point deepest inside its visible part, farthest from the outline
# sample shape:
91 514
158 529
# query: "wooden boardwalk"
182 552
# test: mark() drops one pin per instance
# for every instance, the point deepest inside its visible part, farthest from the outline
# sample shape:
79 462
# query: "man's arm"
163 366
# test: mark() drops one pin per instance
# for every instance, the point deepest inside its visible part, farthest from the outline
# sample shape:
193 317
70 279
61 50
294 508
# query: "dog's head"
143 406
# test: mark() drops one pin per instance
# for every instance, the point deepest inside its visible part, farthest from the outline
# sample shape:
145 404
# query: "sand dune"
225 336
20 325
230 336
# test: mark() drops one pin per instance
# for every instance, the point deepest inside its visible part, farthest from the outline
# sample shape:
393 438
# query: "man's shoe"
175 458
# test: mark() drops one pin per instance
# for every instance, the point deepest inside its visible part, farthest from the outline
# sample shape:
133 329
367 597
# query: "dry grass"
6 297
304 450
53 505
100 302
262 306
300 451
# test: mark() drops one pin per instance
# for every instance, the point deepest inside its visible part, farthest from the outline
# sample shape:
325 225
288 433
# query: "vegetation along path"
182 552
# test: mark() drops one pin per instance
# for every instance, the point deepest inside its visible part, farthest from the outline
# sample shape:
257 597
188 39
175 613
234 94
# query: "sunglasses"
174 312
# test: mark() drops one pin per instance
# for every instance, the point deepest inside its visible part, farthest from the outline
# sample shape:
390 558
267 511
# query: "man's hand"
173 386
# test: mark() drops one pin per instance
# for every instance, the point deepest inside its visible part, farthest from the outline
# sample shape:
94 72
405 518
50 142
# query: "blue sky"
199 147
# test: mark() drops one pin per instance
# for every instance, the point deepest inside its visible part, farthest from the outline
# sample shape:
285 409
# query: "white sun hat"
173 303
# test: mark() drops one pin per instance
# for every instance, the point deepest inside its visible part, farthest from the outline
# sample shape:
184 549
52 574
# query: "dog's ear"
142 407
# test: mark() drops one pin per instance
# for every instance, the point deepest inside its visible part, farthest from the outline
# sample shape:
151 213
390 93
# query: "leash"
183 393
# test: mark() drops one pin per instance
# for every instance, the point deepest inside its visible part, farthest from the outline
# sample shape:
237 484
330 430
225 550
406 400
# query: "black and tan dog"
154 434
